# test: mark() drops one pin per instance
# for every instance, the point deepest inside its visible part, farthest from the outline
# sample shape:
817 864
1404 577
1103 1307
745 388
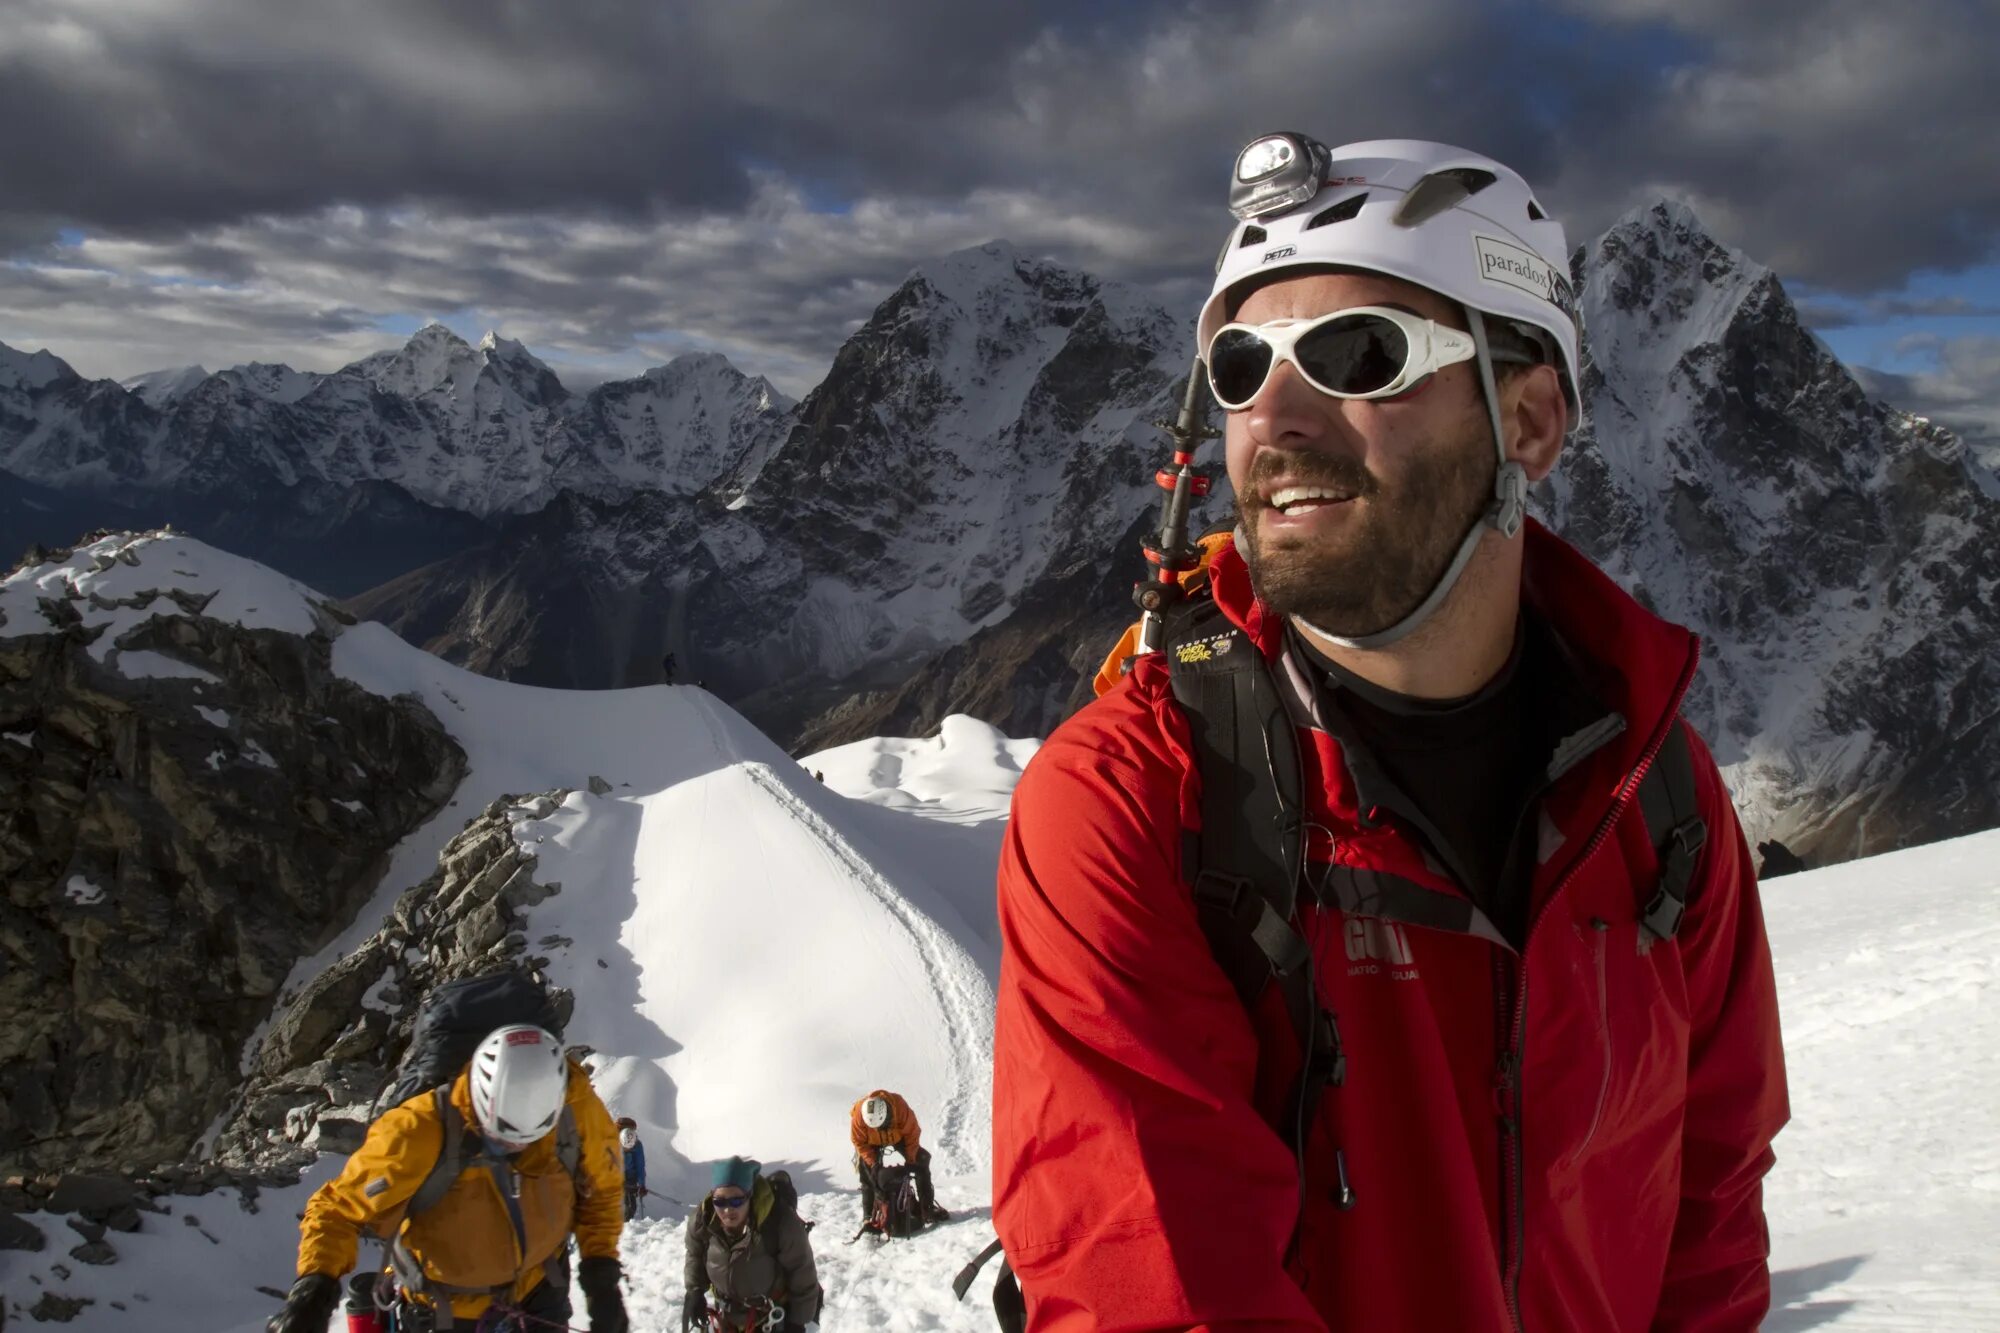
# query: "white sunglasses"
1368 351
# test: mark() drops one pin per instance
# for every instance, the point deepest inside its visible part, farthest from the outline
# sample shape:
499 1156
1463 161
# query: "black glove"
694 1310
599 1279
308 1307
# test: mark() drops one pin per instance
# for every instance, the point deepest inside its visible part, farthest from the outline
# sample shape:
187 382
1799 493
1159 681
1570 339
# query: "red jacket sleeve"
1718 1277
1135 1185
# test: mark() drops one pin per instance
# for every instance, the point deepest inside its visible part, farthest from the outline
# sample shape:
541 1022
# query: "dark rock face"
991 426
18 1233
336 1043
1035 665
1837 557
172 839
583 591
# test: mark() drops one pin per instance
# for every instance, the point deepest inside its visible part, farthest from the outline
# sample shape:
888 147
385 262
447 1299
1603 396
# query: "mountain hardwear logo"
1372 943
1204 650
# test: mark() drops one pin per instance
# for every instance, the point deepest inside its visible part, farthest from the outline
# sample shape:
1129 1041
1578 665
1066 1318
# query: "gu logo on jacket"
1372 943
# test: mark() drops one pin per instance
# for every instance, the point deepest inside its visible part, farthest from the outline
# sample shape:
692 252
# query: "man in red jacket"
1556 1102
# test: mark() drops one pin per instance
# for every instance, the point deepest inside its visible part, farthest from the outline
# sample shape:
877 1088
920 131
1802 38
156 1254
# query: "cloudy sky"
616 181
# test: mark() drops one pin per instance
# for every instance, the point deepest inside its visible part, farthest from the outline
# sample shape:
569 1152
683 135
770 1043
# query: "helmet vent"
1340 212
1252 236
1535 213
1439 191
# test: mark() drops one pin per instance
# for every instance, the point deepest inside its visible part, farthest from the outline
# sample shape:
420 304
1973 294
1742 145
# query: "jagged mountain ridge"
954 505
991 425
487 430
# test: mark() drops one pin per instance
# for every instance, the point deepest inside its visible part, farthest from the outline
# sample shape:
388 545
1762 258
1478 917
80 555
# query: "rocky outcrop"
333 1046
188 805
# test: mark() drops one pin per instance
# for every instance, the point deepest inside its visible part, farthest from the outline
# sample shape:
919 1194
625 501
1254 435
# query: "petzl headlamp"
1277 172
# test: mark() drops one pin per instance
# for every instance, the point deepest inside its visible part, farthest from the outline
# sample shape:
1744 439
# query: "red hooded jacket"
1574 1136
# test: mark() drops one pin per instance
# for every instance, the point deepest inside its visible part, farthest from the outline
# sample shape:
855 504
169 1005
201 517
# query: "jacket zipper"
1509 1003
1509 966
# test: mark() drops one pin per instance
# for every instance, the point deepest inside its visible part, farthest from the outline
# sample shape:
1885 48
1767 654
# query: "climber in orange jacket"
881 1120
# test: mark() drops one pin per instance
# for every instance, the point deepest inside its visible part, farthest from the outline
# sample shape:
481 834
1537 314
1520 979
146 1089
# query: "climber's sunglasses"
729 1202
1368 351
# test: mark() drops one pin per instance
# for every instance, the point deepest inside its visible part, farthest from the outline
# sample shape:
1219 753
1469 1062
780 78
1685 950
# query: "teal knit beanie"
738 1171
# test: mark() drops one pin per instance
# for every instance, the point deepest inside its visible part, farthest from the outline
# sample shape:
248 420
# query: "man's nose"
1288 411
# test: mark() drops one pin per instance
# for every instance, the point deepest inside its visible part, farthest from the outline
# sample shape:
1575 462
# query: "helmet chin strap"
1504 516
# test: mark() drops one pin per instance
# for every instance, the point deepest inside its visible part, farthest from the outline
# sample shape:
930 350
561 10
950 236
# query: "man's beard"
1375 571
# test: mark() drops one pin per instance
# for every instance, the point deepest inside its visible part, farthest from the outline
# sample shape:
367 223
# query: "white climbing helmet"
519 1081
875 1112
1453 221
1445 218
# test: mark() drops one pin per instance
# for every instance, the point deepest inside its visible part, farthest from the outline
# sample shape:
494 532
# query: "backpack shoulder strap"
1676 829
1243 865
450 1159
569 1147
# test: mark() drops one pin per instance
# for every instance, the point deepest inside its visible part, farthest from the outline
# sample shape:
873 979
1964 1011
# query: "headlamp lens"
1277 172
1264 157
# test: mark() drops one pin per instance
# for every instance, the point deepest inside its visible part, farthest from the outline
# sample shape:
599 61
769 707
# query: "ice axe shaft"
1171 553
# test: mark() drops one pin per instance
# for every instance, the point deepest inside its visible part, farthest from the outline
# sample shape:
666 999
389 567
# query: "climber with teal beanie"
748 1248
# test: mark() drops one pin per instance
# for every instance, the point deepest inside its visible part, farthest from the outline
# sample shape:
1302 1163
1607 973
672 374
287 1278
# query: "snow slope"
752 950
1884 1207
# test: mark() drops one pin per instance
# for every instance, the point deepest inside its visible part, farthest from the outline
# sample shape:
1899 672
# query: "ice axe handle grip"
963 1282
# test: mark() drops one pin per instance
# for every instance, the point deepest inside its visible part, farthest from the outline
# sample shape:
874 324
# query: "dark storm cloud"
756 175
1843 142
1961 391
1821 313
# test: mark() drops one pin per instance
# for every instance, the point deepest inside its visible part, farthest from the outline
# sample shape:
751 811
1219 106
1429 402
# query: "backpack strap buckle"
1668 904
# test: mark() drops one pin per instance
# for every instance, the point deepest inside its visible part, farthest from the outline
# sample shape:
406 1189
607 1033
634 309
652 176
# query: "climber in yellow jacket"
480 1188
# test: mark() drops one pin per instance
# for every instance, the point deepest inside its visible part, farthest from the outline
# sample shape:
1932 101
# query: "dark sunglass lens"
1354 354
1238 360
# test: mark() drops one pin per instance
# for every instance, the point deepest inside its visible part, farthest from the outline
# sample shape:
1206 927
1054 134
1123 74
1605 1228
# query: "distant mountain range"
948 522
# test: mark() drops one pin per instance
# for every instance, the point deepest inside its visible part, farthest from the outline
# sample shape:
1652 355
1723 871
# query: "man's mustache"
1346 475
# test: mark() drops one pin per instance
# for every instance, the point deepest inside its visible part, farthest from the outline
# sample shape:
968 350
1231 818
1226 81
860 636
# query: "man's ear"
1536 416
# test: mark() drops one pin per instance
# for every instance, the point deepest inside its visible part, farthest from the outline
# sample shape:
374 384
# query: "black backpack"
1245 867
896 1210
454 1018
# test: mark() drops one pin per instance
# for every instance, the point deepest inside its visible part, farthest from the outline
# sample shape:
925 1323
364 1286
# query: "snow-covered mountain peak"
434 360
693 365
1658 284
159 388
274 383
31 370
1836 557
514 354
995 281
467 382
